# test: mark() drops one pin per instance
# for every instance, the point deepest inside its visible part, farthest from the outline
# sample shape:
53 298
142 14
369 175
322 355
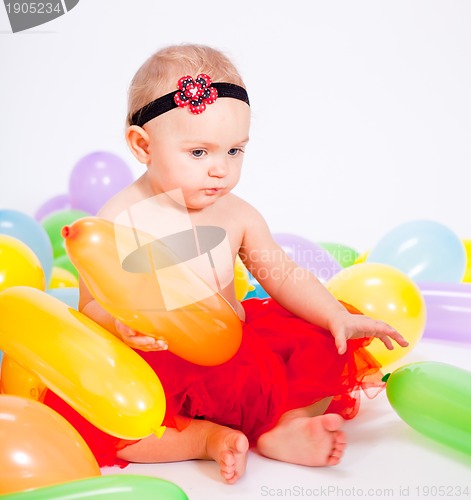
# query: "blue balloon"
29 231
258 291
68 295
424 250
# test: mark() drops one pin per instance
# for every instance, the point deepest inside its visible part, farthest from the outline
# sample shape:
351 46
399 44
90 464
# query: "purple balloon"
95 179
309 255
448 311
59 202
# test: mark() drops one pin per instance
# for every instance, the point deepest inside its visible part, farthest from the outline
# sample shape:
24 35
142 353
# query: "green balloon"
435 400
113 487
54 223
343 254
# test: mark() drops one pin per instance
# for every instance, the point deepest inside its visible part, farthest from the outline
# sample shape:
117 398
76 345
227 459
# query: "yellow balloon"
19 265
467 273
362 257
241 280
384 293
97 374
18 381
61 278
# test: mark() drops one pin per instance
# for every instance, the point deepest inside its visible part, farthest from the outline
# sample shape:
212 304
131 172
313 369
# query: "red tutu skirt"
283 363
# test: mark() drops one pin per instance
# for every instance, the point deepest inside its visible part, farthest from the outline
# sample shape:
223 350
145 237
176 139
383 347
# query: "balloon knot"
385 378
65 231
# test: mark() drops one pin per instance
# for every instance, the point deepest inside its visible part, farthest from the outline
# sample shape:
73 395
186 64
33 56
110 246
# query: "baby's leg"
305 436
318 408
199 440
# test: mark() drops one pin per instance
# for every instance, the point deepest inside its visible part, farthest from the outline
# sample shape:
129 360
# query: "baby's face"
200 154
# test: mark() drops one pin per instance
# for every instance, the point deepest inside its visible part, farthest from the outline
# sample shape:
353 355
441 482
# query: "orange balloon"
39 447
18 381
138 292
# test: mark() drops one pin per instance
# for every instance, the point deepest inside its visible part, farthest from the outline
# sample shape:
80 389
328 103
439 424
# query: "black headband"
195 94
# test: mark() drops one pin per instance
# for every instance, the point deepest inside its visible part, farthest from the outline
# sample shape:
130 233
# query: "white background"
361 109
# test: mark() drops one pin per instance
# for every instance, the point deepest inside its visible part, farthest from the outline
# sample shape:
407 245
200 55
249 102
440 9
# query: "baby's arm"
91 308
300 292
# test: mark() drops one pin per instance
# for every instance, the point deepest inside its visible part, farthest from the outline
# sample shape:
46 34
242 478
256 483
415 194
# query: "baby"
302 359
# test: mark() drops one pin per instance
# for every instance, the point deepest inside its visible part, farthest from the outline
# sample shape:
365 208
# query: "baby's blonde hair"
160 73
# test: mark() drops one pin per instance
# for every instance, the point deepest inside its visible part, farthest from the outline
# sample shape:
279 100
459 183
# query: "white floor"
385 458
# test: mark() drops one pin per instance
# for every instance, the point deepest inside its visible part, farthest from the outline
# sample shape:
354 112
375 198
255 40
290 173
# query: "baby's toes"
338 448
333 460
227 461
340 438
228 466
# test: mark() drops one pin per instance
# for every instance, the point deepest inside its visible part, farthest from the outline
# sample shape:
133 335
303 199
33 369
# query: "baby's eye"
234 151
198 153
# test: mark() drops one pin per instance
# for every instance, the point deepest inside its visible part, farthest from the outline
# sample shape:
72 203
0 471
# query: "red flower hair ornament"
195 94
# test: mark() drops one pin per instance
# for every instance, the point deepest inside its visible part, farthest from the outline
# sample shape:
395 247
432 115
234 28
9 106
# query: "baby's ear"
138 142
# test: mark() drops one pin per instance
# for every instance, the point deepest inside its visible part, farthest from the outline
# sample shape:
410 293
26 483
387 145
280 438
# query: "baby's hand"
346 326
138 340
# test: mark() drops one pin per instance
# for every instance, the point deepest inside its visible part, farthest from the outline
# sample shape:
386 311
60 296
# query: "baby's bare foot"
228 448
312 441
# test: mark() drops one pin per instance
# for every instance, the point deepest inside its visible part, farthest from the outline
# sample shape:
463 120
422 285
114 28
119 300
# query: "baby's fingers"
399 339
144 341
340 343
387 342
137 340
391 334
161 345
